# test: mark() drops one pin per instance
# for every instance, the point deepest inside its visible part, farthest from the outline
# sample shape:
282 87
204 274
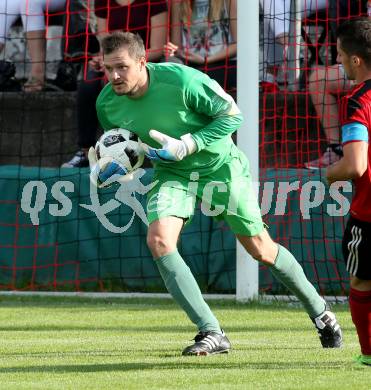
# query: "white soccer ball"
123 147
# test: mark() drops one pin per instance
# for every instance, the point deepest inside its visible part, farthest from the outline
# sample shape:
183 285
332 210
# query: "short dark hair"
355 38
119 39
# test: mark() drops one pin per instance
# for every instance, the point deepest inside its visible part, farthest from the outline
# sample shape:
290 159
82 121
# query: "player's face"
124 72
346 61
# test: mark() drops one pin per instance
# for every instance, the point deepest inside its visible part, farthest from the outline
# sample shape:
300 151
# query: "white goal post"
247 269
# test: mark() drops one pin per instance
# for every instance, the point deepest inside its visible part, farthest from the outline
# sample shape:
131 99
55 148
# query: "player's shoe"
79 160
208 343
363 359
328 329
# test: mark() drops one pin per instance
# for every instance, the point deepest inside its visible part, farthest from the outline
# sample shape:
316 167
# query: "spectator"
127 15
79 31
78 44
204 35
33 20
327 85
276 23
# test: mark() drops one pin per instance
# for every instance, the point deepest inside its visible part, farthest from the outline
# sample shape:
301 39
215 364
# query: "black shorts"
357 248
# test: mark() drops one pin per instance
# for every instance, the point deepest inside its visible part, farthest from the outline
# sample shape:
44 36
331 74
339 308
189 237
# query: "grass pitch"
79 343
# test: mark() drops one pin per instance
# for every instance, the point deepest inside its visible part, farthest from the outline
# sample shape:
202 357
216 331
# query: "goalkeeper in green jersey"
185 121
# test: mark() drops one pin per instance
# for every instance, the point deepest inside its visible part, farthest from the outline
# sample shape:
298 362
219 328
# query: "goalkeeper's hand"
105 171
172 149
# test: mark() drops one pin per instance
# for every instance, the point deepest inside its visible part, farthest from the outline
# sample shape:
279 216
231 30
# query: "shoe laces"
200 336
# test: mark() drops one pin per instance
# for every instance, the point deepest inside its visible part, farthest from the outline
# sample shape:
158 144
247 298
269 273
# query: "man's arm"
207 97
355 148
158 36
352 166
204 96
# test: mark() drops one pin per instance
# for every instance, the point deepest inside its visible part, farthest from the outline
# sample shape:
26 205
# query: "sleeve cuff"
190 143
199 142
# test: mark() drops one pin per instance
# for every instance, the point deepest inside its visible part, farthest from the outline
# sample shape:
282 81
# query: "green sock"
183 287
290 273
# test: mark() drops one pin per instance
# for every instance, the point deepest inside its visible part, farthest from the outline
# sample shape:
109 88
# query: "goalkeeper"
185 121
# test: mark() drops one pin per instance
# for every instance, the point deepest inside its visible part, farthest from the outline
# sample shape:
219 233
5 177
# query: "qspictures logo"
311 195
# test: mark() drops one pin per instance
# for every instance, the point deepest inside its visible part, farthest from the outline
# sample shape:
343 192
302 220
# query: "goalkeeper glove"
105 171
172 149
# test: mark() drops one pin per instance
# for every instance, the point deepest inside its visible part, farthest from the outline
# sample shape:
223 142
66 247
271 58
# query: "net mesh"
299 92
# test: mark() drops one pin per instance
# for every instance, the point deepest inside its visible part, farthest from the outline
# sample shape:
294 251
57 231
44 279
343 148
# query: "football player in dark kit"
354 52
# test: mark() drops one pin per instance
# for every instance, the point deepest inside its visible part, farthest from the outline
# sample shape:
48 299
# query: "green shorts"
226 194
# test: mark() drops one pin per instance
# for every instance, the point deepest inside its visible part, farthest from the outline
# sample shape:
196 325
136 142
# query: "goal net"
52 241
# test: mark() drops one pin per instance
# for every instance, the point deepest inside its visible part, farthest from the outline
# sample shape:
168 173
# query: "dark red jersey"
355 121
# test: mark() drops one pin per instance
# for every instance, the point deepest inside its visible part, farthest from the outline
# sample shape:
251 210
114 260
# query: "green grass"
76 343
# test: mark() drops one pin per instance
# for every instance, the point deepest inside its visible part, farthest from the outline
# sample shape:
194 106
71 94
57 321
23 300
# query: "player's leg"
360 308
242 213
356 249
285 268
162 241
289 272
167 209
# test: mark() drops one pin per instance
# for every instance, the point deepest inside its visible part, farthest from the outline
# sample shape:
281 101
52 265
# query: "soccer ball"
121 146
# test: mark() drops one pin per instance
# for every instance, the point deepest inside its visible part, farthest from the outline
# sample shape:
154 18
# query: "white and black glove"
172 149
105 171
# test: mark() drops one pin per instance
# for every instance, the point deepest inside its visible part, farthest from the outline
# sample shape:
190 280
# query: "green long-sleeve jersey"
179 100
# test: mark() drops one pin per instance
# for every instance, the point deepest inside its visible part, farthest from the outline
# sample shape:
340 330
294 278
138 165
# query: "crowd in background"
198 33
